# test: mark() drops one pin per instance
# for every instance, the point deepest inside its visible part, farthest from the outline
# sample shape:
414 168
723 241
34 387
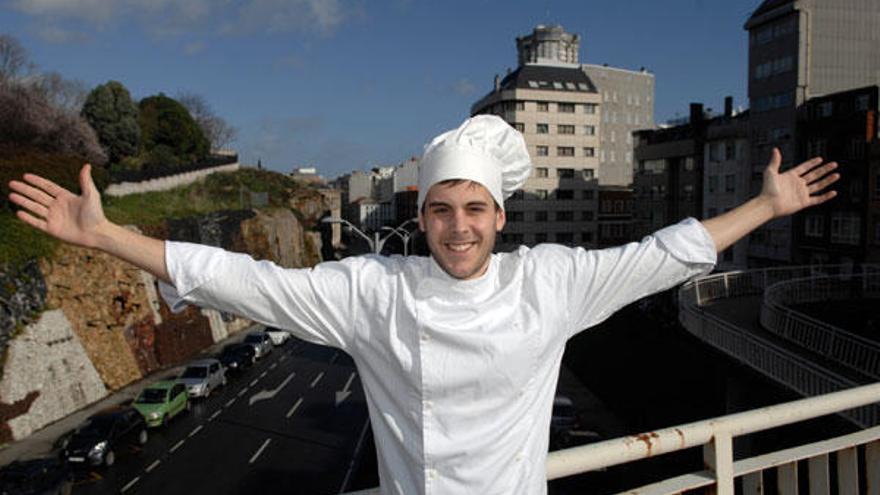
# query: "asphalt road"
295 422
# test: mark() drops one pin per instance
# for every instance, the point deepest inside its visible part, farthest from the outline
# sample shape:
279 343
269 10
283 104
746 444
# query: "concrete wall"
165 183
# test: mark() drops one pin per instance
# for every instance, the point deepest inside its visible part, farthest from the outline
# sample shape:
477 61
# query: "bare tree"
69 94
14 60
215 128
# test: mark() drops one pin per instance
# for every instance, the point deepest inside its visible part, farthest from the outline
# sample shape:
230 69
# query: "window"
689 163
514 216
543 106
817 147
541 193
730 183
589 151
862 103
565 107
590 130
565 150
519 126
586 237
713 183
565 129
540 237
587 215
715 151
857 147
590 108
512 238
825 109
564 216
565 173
588 173
845 228
730 150
565 237
542 150
540 216
541 171
588 194
542 129
814 226
564 194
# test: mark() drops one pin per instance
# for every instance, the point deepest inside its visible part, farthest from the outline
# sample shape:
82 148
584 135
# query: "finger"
775 160
33 206
45 184
31 192
822 184
815 200
807 165
31 220
819 172
86 184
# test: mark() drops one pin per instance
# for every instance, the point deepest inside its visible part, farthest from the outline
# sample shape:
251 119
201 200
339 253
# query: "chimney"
497 83
728 106
696 113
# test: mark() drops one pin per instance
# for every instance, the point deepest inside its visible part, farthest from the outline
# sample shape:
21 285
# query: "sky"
346 85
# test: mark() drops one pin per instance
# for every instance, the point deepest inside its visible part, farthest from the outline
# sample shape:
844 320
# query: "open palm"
58 212
797 188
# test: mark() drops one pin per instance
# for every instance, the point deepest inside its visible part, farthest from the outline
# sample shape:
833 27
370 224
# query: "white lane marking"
282 358
273 366
263 374
293 409
317 379
242 392
269 394
195 430
345 392
130 484
259 451
153 465
214 416
229 402
176 446
254 381
333 359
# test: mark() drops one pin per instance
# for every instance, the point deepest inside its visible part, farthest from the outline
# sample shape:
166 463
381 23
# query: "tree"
114 117
216 130
167 125
69 94
13 59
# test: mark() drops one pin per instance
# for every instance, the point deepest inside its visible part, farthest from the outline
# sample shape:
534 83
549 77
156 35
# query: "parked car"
43 476
279 337
237 357
202 377
261 342
161 401
95 442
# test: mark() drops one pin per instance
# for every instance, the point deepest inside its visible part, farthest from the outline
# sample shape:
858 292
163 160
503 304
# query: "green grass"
19 242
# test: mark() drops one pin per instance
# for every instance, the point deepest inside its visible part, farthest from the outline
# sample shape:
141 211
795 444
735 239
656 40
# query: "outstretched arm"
781 194
79 220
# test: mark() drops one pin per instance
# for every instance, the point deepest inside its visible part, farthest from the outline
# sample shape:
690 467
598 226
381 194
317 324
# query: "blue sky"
345 85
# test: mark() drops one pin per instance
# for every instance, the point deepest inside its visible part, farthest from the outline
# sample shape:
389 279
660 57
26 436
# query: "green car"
161 401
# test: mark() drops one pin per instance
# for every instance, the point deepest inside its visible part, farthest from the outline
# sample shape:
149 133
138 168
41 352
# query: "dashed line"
263 374
229 402
176 446
130 484
255 380
259 451
242 391
282 358
293 409
195 430
153 465
217 413
273 366
333 359
317 379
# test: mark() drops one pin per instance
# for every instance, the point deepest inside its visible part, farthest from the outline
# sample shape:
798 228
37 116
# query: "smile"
460 247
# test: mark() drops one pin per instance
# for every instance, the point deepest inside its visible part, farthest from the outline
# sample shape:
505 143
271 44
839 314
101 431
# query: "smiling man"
459 352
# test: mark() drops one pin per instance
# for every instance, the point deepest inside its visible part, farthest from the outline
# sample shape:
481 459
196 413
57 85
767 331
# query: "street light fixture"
377 242
402 233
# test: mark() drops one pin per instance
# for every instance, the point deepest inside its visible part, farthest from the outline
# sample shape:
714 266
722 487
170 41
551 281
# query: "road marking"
195 430
293 409
254 381
217 413
130 484
242 392
345 392
259 451
333 359
273 366
229 402
176 446
317 379
269 394
153 465
282 358
263 374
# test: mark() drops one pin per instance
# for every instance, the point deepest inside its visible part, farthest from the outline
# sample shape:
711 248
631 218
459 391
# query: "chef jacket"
459 375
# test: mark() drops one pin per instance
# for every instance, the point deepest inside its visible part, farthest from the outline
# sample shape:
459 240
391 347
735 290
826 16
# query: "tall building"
627 106
800 49
555 105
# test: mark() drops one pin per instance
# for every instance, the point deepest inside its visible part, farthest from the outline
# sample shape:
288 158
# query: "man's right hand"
57 211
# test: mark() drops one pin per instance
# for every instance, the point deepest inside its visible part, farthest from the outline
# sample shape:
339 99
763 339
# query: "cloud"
194 48
282 16
464 87
55 34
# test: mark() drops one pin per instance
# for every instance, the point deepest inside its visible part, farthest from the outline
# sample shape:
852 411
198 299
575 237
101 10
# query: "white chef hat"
484 149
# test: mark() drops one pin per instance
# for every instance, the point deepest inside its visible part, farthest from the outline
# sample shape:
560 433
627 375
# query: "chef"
458 352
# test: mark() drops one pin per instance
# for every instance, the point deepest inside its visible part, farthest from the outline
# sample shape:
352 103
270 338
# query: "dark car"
95 442
44 476
238 357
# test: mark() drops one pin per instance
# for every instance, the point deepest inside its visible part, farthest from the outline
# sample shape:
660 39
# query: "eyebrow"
469 203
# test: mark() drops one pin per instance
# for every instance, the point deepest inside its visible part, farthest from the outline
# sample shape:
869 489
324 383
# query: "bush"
165 122
114 117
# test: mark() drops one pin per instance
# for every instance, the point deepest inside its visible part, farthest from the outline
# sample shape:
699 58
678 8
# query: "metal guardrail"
716 438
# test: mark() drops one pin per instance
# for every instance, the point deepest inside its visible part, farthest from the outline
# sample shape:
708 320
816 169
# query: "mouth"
459 247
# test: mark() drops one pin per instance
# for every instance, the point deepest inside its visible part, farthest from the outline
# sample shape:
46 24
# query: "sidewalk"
42 442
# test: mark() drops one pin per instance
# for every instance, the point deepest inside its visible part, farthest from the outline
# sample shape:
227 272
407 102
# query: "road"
294 422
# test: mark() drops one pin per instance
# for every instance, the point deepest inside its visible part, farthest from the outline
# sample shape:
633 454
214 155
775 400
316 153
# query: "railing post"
718 456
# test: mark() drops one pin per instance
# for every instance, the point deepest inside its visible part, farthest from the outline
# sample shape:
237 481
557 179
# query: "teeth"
459 247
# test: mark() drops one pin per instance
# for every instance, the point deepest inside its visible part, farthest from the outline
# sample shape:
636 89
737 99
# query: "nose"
459 220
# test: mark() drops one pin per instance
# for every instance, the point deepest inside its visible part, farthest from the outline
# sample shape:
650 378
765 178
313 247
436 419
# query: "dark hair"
455 182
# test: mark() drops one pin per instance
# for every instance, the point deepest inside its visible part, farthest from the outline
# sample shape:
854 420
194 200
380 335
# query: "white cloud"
279 16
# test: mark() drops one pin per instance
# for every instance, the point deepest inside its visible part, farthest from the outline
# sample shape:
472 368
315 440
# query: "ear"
500 219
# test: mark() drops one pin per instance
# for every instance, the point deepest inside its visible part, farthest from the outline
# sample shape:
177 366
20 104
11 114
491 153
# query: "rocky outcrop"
22 296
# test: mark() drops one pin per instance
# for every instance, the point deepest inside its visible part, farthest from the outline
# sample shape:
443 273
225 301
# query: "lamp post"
402 233
377 242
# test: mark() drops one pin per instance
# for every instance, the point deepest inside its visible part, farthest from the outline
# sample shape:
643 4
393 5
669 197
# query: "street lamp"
402 233
377 242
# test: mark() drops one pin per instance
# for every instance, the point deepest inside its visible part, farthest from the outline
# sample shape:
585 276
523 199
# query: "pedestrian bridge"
749 316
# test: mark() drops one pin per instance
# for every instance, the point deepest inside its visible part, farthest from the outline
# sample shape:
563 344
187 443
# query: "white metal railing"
716 438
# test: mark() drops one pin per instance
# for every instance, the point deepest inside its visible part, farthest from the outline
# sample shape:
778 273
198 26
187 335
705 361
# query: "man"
459 353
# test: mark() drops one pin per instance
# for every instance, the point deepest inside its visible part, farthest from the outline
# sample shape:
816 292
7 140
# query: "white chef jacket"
459 375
